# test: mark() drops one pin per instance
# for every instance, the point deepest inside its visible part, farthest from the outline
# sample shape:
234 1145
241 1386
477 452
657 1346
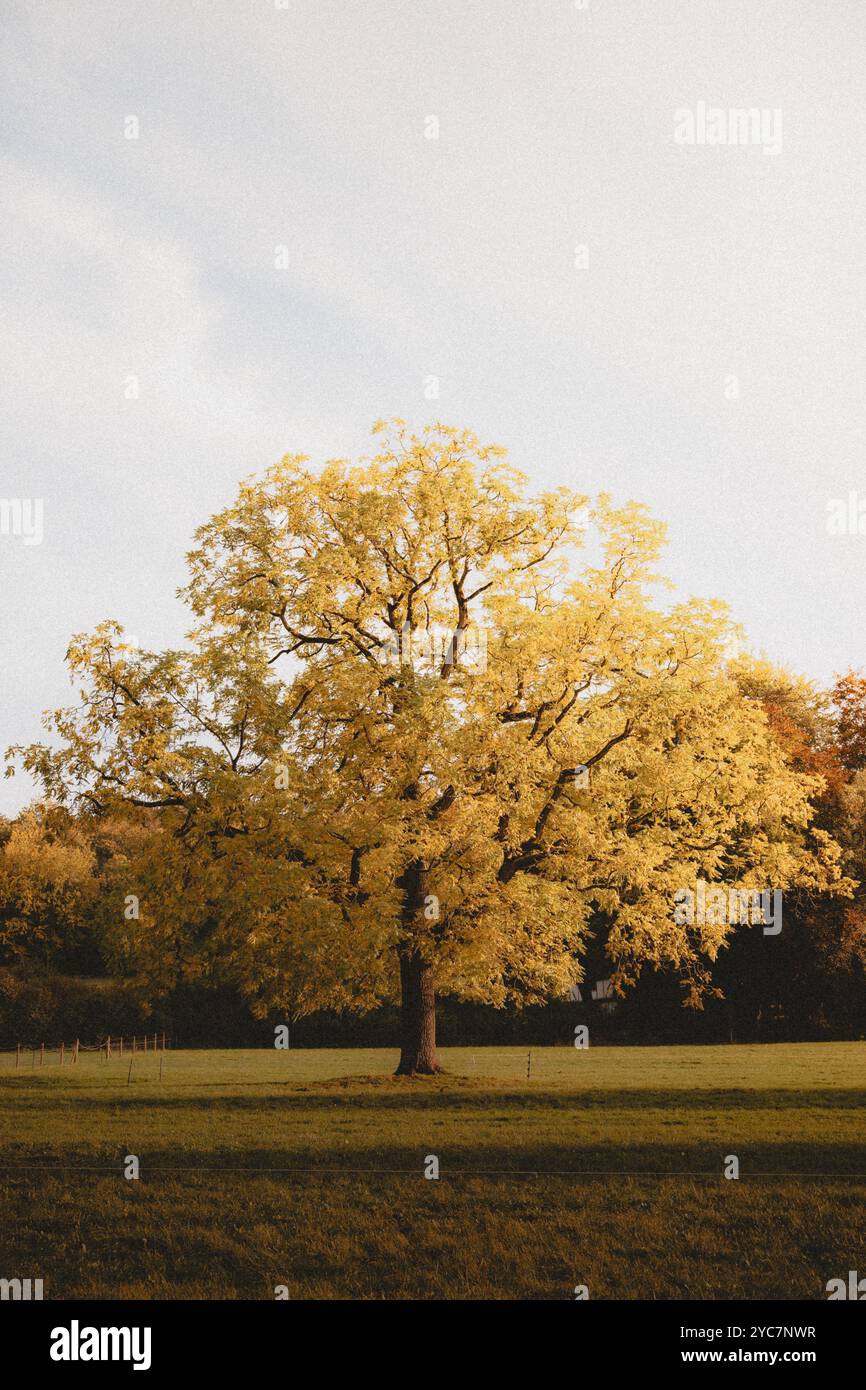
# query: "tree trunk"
417 1017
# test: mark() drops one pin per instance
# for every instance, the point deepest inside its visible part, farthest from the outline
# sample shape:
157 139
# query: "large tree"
427 729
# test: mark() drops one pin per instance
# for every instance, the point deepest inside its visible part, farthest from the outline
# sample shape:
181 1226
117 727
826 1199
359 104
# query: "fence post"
42 1054
528 1065
163 1042
62 1045
121 1044
75 1051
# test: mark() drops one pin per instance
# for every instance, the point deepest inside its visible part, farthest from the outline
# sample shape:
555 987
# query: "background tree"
809 979
849 706
848 698
415 745
47 890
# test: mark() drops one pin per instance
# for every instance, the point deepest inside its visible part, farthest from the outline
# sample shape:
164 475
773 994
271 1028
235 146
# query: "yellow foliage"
409 718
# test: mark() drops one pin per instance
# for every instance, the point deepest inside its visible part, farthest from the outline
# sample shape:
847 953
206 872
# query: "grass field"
306 1168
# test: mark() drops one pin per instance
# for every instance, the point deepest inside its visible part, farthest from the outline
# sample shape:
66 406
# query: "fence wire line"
111 1046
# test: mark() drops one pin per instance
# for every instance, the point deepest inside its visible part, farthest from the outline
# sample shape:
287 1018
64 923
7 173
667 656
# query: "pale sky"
407 257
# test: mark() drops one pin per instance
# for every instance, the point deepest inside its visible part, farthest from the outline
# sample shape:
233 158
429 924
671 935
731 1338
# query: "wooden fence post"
17 1056
75 1051
62 1045
42 1054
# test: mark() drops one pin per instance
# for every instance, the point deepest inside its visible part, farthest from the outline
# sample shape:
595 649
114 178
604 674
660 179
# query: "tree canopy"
429 727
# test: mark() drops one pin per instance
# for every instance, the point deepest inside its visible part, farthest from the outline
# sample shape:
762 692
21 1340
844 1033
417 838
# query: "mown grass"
603 1167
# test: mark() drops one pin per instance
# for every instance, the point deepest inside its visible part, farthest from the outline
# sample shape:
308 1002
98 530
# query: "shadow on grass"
689 1159
440 1099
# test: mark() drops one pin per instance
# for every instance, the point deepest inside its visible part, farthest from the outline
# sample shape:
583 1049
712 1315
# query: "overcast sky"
703 354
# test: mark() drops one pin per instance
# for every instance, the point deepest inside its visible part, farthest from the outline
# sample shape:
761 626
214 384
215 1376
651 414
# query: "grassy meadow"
603 1167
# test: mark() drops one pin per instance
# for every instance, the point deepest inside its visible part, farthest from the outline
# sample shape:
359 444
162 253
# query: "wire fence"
30 1055
519 1062
27 1057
